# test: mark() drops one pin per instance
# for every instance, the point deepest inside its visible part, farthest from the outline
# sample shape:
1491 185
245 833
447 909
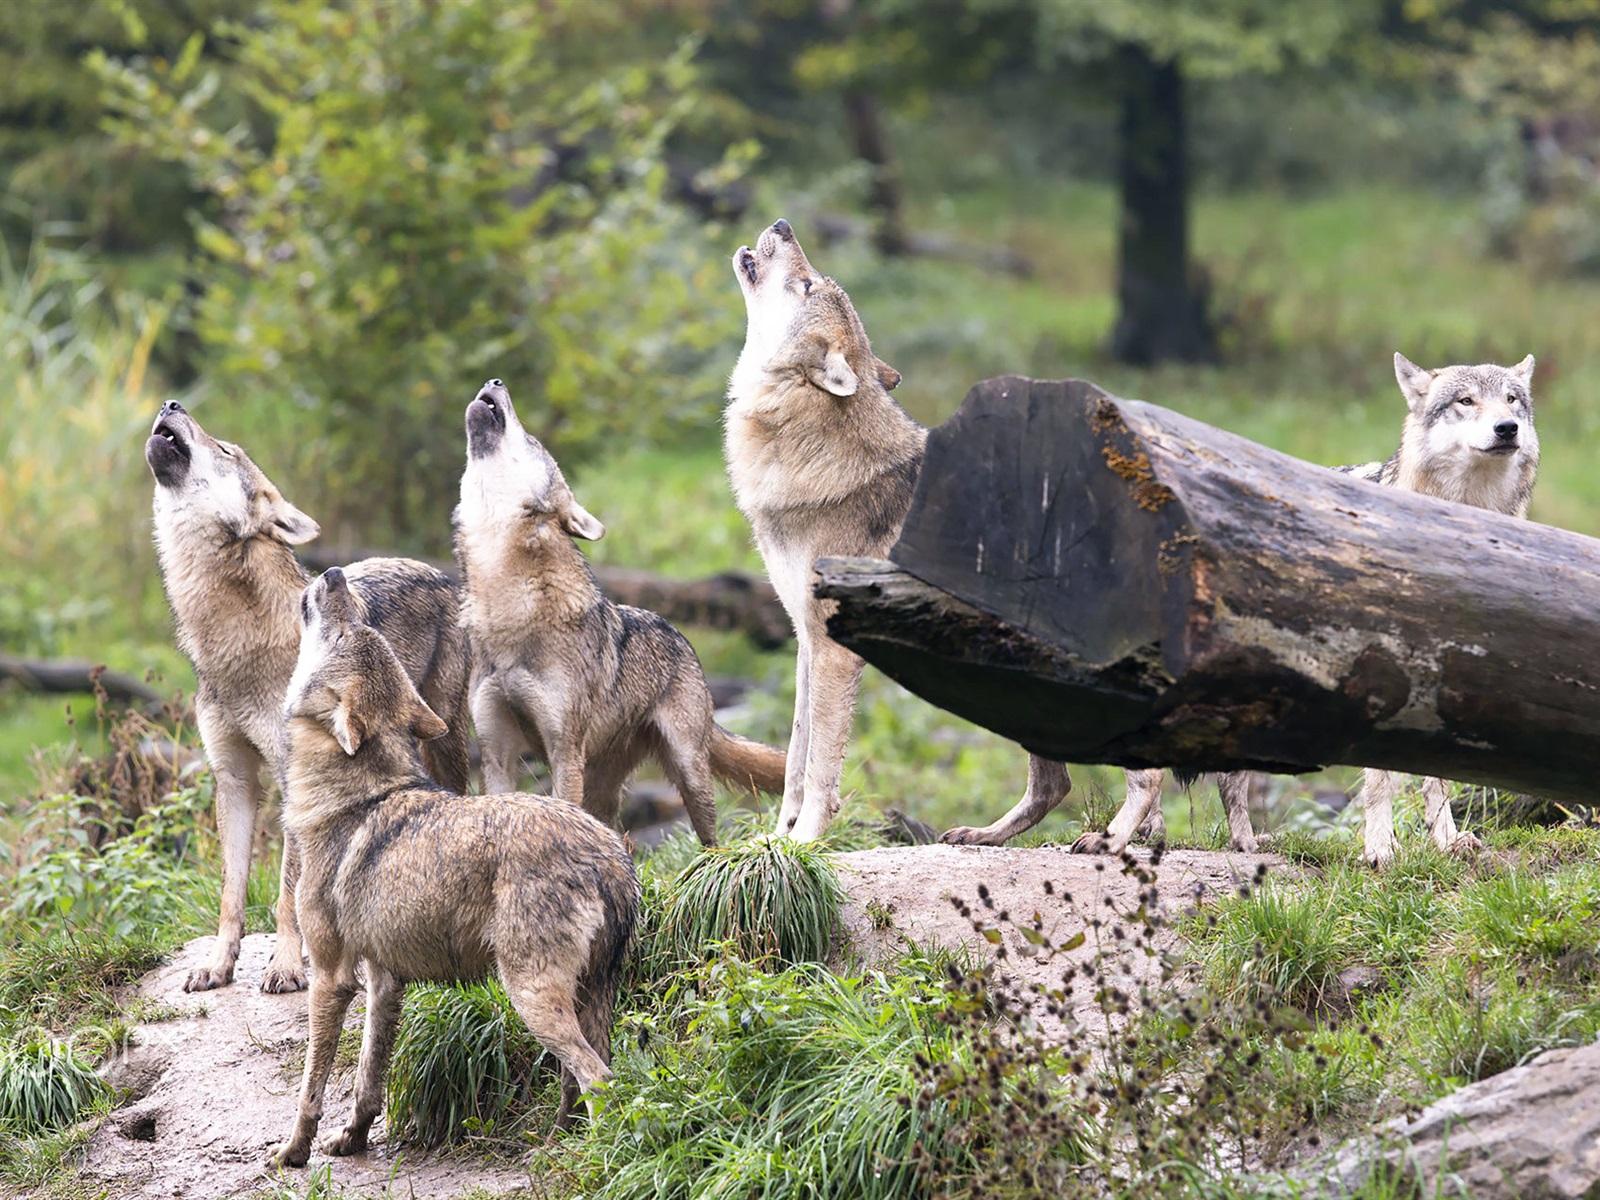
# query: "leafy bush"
441 192
43 1086
463 1060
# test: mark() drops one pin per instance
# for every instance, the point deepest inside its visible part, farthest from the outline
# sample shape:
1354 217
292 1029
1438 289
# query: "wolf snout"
783 229
1506 431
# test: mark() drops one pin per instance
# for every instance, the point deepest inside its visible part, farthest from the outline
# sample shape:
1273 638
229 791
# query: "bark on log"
1108 581
70 676
731 600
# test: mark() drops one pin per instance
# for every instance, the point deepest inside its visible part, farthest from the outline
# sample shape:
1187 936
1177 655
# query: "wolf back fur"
416 883
223 536
824 462
590 686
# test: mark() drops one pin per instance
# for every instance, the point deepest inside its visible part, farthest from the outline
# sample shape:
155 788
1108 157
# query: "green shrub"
438 193
463 1062
43 1086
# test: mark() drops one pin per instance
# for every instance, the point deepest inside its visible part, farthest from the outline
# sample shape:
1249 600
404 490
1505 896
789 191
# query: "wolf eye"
1465 401
807 284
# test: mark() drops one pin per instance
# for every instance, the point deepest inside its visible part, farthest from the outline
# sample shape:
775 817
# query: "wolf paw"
283 979
204 979
1095 842
349 1141
1465 845
1245 845
290 1154
1380 858
966 835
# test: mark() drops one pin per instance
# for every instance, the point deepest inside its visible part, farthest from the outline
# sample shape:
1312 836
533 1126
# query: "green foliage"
44 1086
450 197
463 1061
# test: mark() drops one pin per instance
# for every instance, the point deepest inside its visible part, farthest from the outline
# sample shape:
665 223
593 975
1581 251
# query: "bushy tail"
742 763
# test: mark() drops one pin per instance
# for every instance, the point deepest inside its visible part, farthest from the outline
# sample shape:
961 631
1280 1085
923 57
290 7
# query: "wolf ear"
887 375
1524 371
426 724
579 522
1413 380
346 727
289 525
834 375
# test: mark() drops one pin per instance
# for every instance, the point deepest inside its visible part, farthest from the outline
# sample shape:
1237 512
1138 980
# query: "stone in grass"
1530 1133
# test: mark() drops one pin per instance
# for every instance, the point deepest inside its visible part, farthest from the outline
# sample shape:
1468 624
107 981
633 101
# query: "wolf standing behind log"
223 537
415 883
590 686
824 462
1469 438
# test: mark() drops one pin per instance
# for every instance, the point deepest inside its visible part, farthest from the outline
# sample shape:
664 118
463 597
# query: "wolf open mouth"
746 262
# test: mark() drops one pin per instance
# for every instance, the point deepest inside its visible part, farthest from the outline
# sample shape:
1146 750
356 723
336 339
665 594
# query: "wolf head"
1473 424
511 481
798 318
348 684
208 489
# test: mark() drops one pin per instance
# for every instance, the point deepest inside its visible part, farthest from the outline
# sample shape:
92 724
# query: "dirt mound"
901 895
214 1092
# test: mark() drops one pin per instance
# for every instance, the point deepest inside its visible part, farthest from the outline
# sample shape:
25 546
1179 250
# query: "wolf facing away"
591 687
416 883
223 536
1468 437
824 462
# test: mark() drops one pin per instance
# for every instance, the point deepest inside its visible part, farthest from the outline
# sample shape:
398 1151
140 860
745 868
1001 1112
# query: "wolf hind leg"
1048 785
548 1006
686 758
1441 823
1234 789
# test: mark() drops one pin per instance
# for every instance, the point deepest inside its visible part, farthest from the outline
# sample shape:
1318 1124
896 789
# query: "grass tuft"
463 1064
768 898
44 1086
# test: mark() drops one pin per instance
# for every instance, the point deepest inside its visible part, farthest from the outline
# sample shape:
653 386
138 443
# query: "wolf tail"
742 763
608 958
1186 778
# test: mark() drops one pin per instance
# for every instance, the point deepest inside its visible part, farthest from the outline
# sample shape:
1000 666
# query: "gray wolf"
416 883
223 536
824 462
591 687
1468 437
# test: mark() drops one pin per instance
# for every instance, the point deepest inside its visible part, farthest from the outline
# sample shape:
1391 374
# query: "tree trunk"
1108 581
884 196
1161 306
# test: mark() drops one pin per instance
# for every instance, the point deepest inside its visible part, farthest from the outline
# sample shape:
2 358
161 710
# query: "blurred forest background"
322 225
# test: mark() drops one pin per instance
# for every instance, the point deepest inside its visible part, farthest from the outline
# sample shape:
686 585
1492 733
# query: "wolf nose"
494 383
783 229
170 407
1505 430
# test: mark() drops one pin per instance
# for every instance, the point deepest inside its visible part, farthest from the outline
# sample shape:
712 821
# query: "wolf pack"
354 692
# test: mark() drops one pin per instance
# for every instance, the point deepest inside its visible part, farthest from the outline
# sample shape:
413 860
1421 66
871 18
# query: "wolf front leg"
835 678
1143 798
1048 785
333 984
500 737
1378 790
794 763
287 971
236 770
384 994
1234 789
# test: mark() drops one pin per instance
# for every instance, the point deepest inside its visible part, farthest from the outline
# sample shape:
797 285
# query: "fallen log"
731 600
1104 580
69 676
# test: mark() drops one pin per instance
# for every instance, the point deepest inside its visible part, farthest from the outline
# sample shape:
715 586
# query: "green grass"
44 1086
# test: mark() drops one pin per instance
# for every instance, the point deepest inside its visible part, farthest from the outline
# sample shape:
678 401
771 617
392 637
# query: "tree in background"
441 194
57 167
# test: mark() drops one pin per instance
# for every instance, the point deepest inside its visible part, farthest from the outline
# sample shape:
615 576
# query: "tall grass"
44 1086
